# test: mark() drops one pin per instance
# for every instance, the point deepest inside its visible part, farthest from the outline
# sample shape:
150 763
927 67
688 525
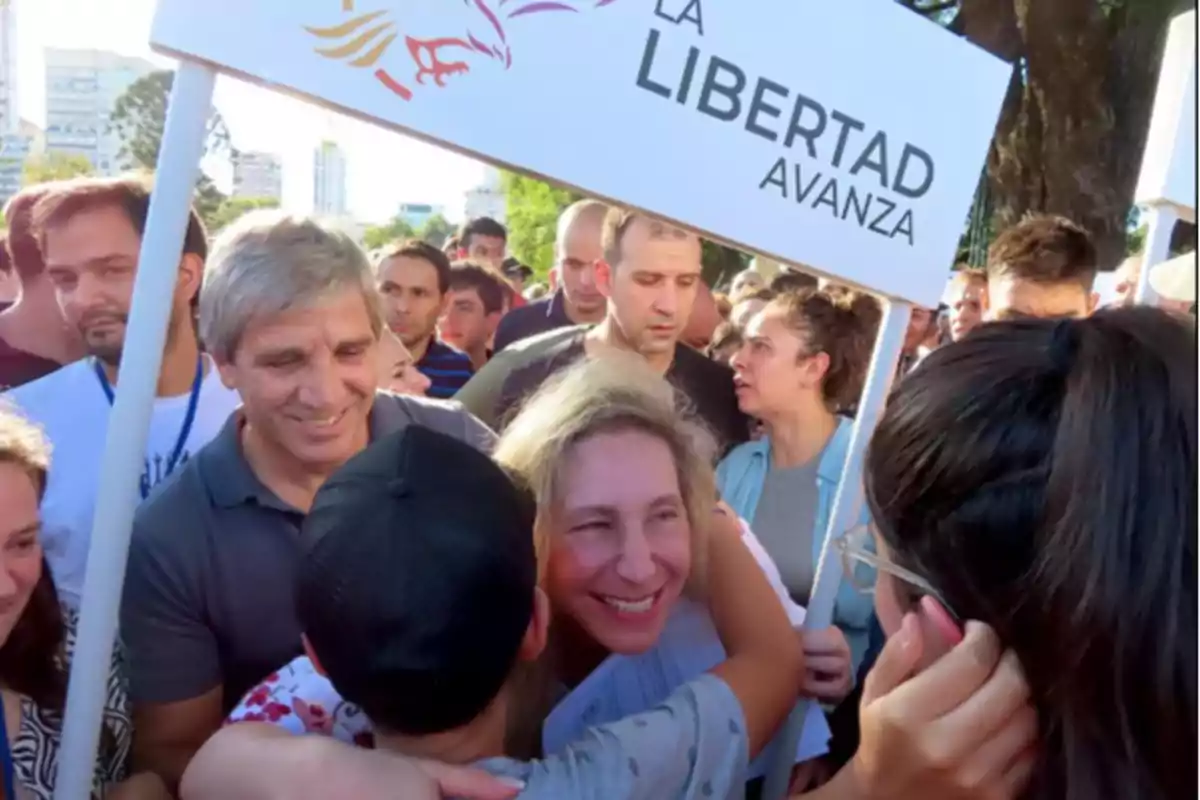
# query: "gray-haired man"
290 315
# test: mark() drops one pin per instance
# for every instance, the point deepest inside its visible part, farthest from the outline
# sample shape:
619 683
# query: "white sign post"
806 131
1166 187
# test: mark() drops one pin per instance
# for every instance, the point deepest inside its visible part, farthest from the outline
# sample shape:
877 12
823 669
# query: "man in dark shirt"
650 273
577 300
413 279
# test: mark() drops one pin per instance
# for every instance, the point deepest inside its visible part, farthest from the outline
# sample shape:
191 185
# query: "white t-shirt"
72 409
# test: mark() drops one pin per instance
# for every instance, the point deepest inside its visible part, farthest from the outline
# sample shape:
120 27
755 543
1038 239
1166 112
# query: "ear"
816 367
308 651
604 278
191 273
227 371
539 627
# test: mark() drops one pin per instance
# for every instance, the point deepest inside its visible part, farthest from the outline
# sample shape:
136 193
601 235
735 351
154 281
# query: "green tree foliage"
376 236
138 119
436 230
233 207
532 208
54 166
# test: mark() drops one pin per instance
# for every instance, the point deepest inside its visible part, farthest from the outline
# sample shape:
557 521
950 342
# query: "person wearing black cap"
418 608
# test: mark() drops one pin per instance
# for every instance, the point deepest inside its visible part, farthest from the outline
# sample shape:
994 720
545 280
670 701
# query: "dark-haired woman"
801 365
1040 476
36 639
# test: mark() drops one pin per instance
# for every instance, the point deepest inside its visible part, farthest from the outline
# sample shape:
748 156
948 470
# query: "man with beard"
90 234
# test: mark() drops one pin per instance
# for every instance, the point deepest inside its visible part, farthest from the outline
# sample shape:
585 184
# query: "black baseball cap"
515 269
416 587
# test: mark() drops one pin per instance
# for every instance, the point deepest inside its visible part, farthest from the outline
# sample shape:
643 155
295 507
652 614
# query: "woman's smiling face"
620 543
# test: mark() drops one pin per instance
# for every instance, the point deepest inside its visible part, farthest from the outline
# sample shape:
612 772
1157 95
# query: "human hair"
726 335
491 287
1044 249
789 280
416 248
131 194
616 393
1041 475
480 226
749 293
21 245
839 324
591 210
968 274
267 262
31 657
616 223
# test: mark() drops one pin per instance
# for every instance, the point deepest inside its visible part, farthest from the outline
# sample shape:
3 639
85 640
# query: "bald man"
575 300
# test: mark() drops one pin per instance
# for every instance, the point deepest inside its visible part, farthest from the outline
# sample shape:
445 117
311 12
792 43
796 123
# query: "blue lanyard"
10 787
188 419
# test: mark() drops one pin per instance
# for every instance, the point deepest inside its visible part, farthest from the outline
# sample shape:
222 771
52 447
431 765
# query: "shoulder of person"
172 504
539 343
35 399
445 416
695 363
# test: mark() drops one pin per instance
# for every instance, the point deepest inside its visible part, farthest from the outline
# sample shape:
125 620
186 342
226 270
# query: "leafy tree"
1073 125
138 119
233 207
54 166
436 230
532 208
376 236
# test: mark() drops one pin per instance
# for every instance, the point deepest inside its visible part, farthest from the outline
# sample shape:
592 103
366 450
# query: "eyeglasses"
861 564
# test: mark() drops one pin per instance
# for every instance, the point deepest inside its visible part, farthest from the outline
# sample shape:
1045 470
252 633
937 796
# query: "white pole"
1160 222
124 453
845 513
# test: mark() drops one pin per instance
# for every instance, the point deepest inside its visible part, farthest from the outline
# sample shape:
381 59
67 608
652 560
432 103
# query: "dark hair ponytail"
1042 476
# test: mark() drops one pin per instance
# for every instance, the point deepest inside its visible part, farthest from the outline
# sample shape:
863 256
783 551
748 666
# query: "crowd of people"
412 528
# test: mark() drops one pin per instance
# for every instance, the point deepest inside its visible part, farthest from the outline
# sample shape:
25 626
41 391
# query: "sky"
384 168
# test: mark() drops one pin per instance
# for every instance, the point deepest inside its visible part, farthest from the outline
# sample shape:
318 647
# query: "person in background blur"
748 280
726 341
450 248
1125 287
35 337
1044 266
1174 282
724 306
748 304
516 274
484 241
413 279
536 292
10 287
397 371
803 363
703 320
964 298
473 309
792 280
921 323
90 231
576 300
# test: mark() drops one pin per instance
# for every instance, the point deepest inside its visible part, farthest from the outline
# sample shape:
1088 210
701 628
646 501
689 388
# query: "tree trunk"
1074 121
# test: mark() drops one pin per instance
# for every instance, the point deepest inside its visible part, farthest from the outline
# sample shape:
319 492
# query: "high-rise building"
257 174
487 199
329 180
417 214
82 87
15 149
9 110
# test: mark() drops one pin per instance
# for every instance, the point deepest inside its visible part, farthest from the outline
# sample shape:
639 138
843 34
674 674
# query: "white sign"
845 135
1169 166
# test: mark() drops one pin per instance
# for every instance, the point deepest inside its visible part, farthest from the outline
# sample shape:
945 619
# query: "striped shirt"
447 369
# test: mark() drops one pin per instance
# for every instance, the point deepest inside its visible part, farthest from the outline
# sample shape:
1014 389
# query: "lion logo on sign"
363 40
